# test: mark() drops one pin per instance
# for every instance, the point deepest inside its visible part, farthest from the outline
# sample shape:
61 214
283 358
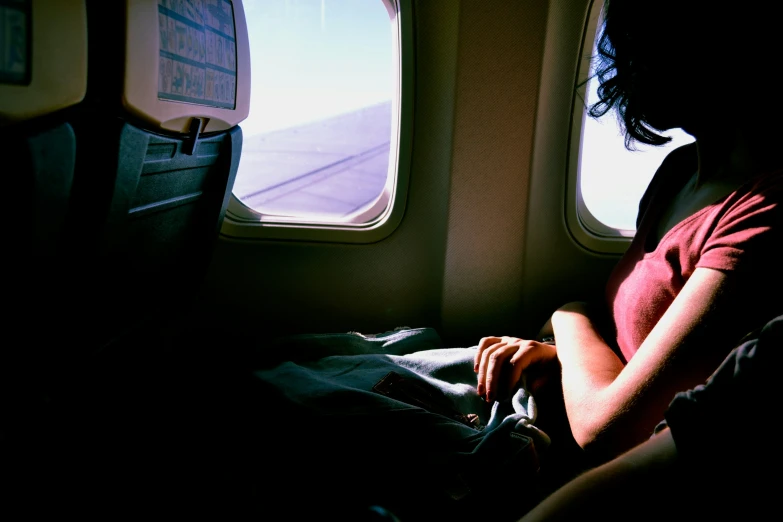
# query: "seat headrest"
43 57
187 60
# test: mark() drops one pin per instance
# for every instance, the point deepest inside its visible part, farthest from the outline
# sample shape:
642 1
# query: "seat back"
161 150
43 80
43 76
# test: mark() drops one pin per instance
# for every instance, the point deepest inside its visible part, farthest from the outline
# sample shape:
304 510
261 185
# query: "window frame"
586 229
379 219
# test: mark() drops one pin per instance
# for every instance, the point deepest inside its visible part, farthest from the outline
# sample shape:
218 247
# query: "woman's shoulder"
674 171
768 182
760 194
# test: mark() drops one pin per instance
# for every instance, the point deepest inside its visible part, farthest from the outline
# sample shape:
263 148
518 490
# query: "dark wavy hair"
616 91
746 49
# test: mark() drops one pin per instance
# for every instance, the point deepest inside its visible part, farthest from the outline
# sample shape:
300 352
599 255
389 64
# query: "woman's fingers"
533 352
483 344
500 362
493 363
491 344
491 367
517 367
529 353
486 347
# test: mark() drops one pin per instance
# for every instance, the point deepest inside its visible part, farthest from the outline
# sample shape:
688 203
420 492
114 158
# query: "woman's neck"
734 157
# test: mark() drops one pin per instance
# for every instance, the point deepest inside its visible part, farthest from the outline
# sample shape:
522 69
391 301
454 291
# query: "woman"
694 279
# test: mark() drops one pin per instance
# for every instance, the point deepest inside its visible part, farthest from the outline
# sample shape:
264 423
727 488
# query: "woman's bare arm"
611 407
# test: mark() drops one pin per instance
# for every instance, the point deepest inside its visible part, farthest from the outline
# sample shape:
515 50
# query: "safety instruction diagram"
197 52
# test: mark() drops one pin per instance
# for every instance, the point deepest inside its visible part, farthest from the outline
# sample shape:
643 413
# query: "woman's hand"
500 362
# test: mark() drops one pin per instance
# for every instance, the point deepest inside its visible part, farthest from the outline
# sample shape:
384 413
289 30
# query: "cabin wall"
497 87
482 248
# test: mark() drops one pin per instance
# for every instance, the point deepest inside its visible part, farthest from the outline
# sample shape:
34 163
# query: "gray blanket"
329 381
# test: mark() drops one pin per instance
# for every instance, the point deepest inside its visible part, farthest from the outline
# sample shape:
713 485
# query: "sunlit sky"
312 59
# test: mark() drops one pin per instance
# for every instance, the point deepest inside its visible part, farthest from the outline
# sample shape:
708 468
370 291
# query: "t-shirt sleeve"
728 424
748 235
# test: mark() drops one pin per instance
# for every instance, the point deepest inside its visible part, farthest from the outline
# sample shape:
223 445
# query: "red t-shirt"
740 232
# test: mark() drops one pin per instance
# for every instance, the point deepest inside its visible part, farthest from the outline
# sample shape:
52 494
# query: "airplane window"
612 179
318 141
